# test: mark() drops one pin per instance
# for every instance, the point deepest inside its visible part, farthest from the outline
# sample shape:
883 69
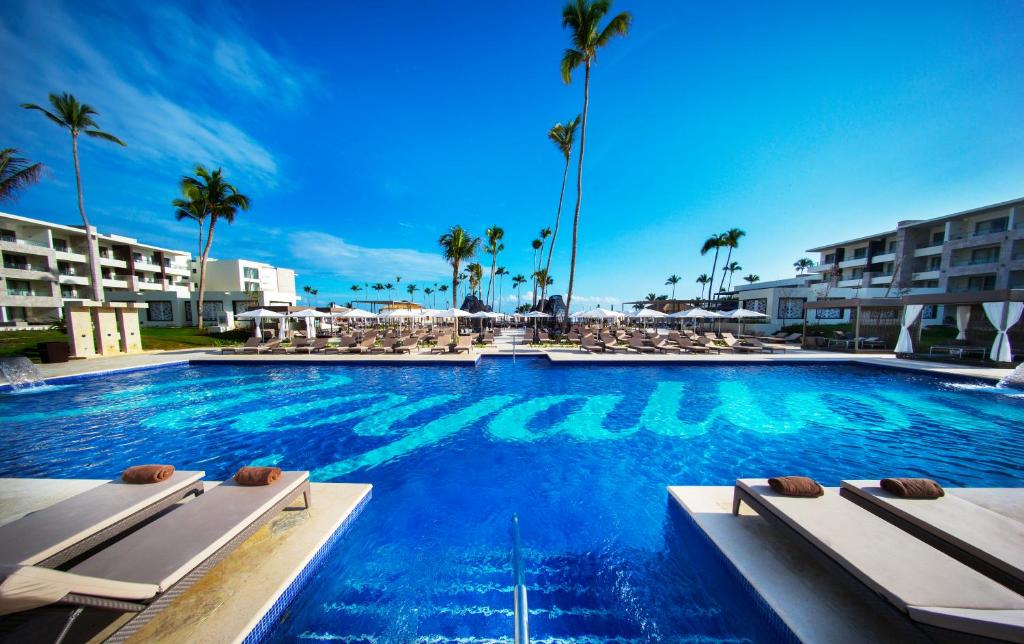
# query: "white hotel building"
46 264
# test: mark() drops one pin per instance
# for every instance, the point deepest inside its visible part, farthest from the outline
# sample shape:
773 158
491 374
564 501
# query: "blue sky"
362 130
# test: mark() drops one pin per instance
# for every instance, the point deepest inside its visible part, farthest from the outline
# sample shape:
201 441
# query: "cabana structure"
875 322
987 322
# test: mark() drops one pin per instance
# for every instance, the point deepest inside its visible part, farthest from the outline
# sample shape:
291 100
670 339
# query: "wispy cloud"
331 255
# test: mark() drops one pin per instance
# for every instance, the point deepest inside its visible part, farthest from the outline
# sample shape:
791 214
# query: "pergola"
1002 309
858 307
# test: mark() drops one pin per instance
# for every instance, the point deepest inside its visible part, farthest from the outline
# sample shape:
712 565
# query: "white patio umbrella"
257 316
649 313
308 315
600 314
357 314
453 313
743 314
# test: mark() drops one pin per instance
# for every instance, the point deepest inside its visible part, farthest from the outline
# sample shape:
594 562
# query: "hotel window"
985 255
892 246
860 252
934 263
251 273
791 308
759 305
981 283
930 312
829 259
8 236
938 237
997 225
60 245
828 314
857 273
160 311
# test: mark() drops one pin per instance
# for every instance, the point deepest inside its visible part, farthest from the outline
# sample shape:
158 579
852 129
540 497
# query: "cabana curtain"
910 313
963 318
996 312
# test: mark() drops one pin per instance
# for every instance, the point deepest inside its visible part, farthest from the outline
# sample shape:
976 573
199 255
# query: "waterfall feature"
1015 379
20 373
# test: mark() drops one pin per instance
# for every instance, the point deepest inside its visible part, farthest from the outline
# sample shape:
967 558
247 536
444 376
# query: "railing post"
522 626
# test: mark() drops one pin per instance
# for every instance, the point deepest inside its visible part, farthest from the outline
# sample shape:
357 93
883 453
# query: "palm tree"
427 292
355 288
76 117
541 278
730 268
703 279
494 235
191 207
314 292
716 242
753 277
222 201
390 287
457 246
308 290
672 281
501 272
412 288
537 245
442 289
803 264
16 174
378 287
583 18
563 137
730 240
517 282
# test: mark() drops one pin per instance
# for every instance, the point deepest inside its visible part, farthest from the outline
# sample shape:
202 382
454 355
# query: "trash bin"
50 352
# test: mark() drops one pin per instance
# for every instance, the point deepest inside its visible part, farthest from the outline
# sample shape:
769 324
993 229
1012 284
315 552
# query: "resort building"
46 264
976 250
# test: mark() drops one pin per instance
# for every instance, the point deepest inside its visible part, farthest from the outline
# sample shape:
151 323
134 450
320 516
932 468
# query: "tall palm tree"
307 289
541 278
730 240
713 242
76 117
730 268
753 277
803 264
702 279
494 235
427 292
378 287
476 279
16 174
191 206
517 282
457 246
390 287
563 136
412 288
222 201
442 289
537 245
583 18
672 281
501 272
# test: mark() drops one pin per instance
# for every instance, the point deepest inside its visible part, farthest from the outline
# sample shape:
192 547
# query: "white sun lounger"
942 596
984 540
64 530
145 571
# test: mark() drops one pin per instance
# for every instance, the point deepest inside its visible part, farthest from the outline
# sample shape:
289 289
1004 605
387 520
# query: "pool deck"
566 356
229 602
818 603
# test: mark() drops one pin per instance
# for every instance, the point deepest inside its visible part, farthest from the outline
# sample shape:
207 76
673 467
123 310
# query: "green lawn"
23 343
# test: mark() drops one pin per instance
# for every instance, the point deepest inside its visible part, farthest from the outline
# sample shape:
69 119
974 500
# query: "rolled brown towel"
913 488
147 473
796 486
257 475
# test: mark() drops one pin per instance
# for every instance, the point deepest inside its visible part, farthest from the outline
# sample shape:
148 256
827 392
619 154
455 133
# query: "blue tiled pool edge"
270 619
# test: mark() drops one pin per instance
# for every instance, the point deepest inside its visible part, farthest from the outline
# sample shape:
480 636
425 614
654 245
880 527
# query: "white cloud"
331 255
596 299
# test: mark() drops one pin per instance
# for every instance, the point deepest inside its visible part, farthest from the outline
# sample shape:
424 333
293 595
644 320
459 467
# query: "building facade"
46 264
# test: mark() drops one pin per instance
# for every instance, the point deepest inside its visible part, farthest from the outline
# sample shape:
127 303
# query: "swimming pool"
581 453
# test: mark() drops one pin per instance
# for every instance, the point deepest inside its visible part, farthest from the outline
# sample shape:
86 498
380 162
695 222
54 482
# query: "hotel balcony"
821 268
854 263
28 297
114 283
884 257
177 270
18 271
111 262
73 279
928 251
850 283
881 280
926 275
71 255
147 266
16 245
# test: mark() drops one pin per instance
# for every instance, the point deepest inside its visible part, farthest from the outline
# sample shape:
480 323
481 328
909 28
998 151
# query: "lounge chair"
252 343
637 344
987 541
659 344
465 343
266 347
692 347
64 530
145 571
365 345
942 596
319 344
405 346
590 345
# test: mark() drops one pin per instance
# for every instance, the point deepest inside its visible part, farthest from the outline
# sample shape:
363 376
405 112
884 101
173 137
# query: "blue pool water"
582 454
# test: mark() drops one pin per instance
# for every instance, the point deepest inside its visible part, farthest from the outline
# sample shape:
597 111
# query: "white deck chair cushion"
27 587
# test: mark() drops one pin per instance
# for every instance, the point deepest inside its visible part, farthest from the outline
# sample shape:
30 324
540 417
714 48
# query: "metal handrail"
522 619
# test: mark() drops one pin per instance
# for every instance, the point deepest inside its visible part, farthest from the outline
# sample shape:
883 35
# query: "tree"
713 242
378 287
476 279
221 201
412 288
702 279
494 235
541 278
803 264
753 277
730 240
537 245
442 289
517 282
16 174
390 287
308 290
672 281
457 246
583 18
191 206
563 137
730 268
76 117
355 288
427 292
501 272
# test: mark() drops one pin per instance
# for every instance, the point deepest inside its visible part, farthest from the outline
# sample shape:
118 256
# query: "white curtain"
282 328
309 328
910 313
995 312
963 317
256 326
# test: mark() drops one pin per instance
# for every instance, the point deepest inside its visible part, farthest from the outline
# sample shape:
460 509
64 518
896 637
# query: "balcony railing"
975 262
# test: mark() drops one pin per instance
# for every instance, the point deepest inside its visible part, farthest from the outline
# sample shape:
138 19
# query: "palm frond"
16 174
48 114
617 26
99 134
571 59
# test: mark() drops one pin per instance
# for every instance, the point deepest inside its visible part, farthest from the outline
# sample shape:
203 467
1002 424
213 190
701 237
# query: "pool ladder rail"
522 619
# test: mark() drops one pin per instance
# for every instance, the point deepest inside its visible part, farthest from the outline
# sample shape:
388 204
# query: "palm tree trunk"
91 242
202 272
554 233
490 282
711 284
579 192
455 296
728 258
